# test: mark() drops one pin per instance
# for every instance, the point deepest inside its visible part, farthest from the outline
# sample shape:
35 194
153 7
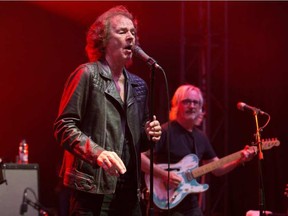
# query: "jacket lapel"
130 98
110 89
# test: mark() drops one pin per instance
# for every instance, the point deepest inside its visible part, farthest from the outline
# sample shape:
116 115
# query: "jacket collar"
111 90
106 72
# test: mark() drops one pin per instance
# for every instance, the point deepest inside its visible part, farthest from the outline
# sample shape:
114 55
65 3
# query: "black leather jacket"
89 122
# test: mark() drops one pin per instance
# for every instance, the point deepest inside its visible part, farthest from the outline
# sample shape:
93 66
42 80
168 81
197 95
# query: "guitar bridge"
174 197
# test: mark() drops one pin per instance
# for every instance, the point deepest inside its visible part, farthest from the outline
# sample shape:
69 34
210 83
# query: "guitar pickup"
189 175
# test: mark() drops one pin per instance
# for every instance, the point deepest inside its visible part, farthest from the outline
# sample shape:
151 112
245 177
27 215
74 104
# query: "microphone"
24 206
244 107
142 55
2 176
36 205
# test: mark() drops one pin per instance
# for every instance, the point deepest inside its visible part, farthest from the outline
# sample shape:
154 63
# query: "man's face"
189 107
121 39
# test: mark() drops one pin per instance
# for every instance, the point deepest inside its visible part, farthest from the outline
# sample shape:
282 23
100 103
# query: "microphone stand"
43 211
2 174
151 111
153 66
260 160
37 206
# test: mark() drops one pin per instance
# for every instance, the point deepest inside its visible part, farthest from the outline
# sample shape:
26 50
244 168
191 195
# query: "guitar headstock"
269 143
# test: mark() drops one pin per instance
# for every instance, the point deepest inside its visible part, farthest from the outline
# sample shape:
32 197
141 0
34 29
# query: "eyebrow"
126 28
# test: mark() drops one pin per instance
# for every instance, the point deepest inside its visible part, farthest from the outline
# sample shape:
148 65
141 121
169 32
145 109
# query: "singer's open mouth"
128 47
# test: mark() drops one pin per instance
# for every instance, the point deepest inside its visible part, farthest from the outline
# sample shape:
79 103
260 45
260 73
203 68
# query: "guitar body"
188 184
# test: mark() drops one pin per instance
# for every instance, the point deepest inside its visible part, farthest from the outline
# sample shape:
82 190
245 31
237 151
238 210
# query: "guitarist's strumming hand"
174 179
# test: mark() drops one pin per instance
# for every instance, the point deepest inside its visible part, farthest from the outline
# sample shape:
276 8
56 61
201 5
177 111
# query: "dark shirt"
129 179
182 143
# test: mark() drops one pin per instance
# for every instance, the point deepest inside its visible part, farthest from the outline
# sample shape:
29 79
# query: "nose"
191 105
130 35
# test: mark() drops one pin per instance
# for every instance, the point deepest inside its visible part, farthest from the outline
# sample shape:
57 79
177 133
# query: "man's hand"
247 154
286 191
174 179
199 118
153 129
111 163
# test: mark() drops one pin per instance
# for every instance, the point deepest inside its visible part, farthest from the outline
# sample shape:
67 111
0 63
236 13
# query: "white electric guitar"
188 170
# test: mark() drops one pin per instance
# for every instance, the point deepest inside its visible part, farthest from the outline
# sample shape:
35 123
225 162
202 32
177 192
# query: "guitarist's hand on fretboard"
247 154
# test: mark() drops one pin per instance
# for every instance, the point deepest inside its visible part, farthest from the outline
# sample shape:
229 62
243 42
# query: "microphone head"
241 105
23 208
136 49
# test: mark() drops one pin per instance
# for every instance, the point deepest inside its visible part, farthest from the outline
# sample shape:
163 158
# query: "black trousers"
123 203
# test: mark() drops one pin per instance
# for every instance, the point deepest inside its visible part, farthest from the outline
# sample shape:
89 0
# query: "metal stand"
151 111
153 67
260 159
43 211
2 174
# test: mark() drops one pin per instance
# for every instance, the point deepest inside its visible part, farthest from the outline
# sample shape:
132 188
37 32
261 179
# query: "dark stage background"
43 42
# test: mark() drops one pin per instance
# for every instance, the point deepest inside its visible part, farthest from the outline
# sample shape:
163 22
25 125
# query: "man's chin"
129 62
189 119
191 116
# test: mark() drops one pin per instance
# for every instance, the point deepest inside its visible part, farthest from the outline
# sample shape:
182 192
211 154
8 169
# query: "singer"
186 141
103 122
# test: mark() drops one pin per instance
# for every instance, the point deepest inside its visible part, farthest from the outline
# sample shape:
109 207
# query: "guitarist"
185 138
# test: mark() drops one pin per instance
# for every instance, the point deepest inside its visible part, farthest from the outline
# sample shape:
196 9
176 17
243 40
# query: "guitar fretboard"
216 164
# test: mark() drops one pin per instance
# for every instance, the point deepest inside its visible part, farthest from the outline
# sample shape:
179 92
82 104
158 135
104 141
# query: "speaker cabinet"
18 177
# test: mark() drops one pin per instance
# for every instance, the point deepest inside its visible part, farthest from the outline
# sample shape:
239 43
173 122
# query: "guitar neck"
265 144
216 164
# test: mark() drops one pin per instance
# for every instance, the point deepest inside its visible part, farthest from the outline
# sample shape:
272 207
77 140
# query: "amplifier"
18 178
